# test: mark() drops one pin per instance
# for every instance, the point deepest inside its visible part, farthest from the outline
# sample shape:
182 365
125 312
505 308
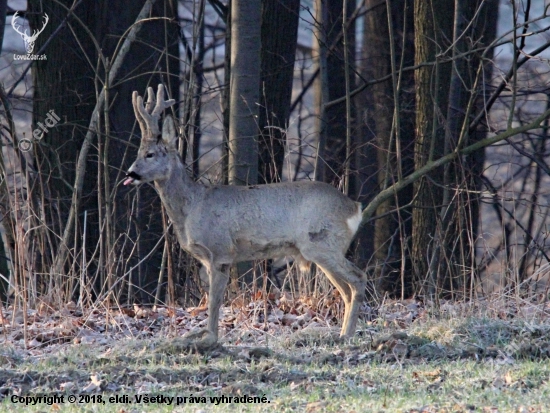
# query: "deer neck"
178 192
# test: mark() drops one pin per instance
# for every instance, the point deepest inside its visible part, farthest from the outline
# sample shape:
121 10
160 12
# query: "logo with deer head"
29 40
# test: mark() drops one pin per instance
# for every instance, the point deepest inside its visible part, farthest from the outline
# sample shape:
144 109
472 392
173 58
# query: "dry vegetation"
483 356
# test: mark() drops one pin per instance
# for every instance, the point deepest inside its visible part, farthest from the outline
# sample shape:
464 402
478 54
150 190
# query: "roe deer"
220 224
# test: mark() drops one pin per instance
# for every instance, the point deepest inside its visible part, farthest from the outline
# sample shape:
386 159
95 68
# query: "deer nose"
133 175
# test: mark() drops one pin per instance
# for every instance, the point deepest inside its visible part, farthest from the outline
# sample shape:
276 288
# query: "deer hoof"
200 340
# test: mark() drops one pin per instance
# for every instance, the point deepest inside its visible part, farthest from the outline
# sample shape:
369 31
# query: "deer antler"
16 28
148 116
37 32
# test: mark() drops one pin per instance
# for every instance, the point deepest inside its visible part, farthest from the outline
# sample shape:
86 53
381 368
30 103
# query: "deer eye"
149 155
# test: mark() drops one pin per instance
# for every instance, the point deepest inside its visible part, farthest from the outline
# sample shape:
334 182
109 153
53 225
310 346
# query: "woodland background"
431 113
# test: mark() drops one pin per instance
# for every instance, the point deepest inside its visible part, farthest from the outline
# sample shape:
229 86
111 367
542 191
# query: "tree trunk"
380 136
331 85
279 37
244 91
63 83
321 94
433 24
243 101
3 10
66 83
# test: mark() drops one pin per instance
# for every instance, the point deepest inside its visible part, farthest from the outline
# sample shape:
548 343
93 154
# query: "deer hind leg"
348 279
343 272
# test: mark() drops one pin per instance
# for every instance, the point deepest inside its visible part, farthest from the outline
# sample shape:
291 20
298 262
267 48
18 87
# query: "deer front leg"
205 339
218 281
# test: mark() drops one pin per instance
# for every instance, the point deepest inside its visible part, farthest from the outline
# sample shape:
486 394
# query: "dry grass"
408 358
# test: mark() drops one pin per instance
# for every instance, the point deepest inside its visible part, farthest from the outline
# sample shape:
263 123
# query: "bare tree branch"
430 166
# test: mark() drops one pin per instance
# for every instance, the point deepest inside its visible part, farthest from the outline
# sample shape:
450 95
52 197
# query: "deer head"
152 161
29 40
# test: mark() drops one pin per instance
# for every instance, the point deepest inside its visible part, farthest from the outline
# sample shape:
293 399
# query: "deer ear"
169 136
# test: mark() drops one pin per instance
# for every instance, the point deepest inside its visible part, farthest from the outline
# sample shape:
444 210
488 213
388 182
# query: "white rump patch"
303 264
355 220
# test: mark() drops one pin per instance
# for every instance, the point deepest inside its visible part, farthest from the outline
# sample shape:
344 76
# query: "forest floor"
280 355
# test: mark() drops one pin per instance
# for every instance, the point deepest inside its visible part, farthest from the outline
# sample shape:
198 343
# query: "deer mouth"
132 178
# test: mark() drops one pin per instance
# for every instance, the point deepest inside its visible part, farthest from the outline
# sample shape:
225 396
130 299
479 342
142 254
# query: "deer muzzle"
132 178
